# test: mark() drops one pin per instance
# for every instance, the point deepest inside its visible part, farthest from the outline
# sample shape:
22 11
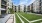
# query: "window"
41 0
40 4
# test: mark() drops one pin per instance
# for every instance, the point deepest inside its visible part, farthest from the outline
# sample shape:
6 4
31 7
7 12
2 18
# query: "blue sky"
25 2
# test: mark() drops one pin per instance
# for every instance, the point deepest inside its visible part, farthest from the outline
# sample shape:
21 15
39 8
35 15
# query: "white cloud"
26 2
23 1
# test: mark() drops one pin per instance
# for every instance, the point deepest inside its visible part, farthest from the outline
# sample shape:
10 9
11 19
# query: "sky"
22 2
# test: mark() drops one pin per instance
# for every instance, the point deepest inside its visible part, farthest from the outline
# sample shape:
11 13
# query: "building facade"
37 6
31 8
4 5
9 5
28 8
25 8
0 7
22 8
15 10
18 8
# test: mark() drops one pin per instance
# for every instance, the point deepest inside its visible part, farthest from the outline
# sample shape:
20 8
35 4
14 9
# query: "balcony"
3 11
3 7
3 2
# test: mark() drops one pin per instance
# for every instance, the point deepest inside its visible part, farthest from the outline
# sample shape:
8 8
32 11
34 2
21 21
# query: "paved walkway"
7 19
10 20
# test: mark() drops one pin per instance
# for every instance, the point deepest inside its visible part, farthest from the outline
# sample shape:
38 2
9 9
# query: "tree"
11 10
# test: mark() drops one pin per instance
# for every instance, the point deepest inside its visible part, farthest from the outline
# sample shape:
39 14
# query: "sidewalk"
3 20
10 19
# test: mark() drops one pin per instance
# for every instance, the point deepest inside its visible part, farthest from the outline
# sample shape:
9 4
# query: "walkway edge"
14 19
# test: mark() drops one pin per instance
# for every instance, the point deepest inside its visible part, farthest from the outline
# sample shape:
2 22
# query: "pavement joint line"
36 20
11 19
8 18
14 19
20 18
25 18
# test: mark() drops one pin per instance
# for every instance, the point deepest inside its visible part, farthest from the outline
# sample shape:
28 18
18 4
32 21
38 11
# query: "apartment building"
31 8
18 8
37 6
28 8
9 5
3 5
24 8
0 7
15 10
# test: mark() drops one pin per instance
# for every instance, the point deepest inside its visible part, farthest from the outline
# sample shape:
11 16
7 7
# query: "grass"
31 16
38 21
17 19
24 19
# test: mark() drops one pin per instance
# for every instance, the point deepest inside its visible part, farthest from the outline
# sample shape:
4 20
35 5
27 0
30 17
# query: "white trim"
14 19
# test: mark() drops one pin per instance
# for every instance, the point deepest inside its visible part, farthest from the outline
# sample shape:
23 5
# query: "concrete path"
7 19
3 20
10 20
14 19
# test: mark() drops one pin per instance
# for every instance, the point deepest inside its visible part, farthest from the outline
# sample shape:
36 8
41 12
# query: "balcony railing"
2 9
3 2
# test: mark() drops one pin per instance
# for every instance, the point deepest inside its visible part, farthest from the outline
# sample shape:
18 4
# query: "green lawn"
30 17
24 20
17 19
38 21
